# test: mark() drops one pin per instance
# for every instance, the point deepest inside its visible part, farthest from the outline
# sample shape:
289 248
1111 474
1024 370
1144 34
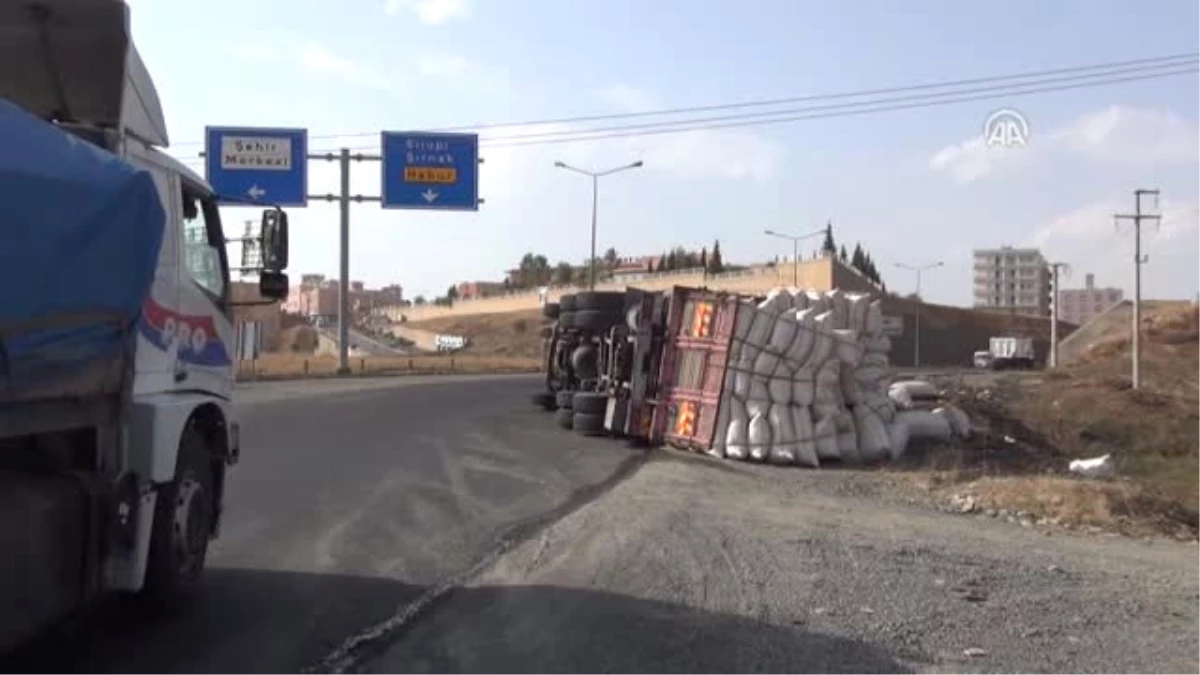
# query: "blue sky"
914 186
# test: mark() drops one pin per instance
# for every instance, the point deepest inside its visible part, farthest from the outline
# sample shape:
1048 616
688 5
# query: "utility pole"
1138 260
1054 268
795 239
917 318
595 176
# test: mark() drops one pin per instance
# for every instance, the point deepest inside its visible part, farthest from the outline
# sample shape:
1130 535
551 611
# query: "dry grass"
1032 425
513 334
291 366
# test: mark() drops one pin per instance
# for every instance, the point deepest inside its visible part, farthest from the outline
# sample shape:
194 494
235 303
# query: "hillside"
508 334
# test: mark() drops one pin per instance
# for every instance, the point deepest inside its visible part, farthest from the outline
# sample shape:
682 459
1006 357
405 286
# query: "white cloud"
431 12
1117 134
315 59
1133 136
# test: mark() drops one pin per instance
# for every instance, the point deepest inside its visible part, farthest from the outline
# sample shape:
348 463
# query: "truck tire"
183 519
603 301
566 303
596 320
550 310
563 399
589 402
544 400
564 418
588 424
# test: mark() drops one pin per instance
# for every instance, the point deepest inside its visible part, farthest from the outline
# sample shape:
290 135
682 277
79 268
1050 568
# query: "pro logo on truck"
197 336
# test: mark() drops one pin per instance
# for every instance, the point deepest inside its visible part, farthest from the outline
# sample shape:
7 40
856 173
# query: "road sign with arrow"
255 164
430 171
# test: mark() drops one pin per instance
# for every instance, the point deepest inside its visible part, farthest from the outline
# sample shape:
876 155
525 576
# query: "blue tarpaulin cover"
80 232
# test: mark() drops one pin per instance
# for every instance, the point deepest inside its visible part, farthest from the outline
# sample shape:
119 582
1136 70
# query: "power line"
1163 61
864 109
802 114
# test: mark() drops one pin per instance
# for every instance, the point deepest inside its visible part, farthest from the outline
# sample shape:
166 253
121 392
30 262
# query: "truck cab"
117 420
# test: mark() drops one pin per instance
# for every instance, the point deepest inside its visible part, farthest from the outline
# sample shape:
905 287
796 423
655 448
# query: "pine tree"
716 264
842 254
829 247
704 258
662 263
857 259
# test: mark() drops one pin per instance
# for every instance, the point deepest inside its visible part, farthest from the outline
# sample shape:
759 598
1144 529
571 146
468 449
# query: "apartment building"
1013 280
1081 305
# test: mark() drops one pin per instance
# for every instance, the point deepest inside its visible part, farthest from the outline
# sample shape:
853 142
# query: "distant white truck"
1007 353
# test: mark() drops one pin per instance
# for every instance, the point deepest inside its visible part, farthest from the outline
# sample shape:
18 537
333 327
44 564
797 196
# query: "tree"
452 292
650 266
662 263
704 258
673 260
716 264
563 273
610 258
829 247
842 254
419 301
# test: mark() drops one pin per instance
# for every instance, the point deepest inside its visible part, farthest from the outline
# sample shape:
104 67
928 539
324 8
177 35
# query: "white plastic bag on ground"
759 437
1095 467
825 436
924 424
960 423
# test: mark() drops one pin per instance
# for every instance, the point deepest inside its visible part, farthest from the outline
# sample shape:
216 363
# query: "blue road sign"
262 165
430 171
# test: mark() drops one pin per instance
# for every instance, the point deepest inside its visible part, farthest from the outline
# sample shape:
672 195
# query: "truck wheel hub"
191 522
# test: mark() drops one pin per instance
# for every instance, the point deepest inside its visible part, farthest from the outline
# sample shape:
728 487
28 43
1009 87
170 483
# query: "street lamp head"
636 164
938 263
560 165
770 232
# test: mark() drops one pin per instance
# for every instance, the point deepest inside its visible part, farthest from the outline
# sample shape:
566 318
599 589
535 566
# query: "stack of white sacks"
805 382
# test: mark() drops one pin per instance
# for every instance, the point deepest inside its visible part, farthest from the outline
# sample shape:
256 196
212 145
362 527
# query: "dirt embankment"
1033 425
510 334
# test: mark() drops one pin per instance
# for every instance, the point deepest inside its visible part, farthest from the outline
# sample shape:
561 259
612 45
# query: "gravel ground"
705 566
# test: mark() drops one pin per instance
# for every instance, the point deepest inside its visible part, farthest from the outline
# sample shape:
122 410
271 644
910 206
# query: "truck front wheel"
183 521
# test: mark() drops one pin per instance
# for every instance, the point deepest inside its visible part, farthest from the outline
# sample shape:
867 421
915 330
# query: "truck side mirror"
273 285
274 240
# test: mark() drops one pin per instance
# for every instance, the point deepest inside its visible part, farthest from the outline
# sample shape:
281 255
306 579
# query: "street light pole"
795 239
595 176
917 318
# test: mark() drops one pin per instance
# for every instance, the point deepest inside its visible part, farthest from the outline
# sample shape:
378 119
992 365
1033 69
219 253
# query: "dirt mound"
508 334
1088 409
297 339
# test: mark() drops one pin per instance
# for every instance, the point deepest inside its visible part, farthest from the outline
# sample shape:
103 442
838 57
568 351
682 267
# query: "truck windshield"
204 246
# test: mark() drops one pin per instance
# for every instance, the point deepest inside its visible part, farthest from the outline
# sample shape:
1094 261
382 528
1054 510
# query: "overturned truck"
793 377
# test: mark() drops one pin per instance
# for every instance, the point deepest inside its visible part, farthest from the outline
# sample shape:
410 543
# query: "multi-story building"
1014 280
474 290
1080 305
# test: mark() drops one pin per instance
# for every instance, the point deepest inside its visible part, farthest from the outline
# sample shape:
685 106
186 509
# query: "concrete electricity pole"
917 318
1054 297
595 176
1138 260
795 239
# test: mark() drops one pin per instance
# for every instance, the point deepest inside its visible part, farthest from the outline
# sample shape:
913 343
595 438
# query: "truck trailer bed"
79 244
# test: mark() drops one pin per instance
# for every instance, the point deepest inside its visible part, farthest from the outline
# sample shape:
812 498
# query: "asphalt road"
366 345
353 498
